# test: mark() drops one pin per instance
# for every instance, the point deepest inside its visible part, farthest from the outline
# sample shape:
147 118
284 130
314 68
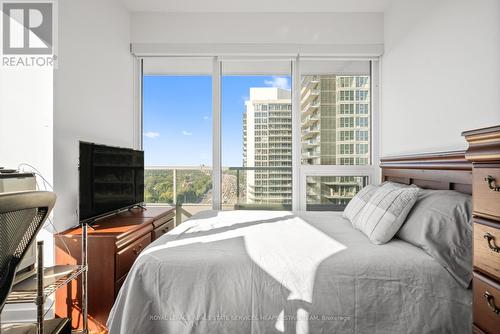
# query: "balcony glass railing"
257 188
189 188
332 192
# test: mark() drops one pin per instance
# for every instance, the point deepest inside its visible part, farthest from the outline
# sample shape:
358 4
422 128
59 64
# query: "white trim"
216 136
255 58
338 58
257 66
255 49
137 116
334 170
183 66
375 127
296 149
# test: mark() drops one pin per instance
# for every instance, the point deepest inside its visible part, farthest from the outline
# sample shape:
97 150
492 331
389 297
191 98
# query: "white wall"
26 131
440 73
242 28
93 91
26 118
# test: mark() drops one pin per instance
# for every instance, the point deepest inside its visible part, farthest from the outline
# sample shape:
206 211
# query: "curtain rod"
245 50
255 58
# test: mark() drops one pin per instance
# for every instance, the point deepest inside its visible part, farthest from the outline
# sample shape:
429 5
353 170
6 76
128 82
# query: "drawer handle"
165 230
137 250
491 183
491 245
491 302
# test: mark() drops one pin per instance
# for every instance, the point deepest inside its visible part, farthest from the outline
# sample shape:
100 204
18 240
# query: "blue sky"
178 118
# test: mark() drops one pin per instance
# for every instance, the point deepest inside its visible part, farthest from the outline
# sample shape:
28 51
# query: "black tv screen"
111 179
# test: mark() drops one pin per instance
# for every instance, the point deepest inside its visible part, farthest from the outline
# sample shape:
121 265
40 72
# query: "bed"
303 272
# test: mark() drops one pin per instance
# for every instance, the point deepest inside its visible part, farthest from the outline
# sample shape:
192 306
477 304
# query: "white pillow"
385 212
357 203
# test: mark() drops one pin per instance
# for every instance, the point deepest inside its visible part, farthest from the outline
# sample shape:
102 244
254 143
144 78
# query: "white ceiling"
257 6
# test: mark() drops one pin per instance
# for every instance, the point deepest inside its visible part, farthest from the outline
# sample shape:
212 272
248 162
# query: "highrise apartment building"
267 140
335 130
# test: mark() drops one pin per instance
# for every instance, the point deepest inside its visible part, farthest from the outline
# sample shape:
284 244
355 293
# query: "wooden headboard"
441 171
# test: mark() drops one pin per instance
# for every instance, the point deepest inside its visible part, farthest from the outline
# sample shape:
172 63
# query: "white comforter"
278 272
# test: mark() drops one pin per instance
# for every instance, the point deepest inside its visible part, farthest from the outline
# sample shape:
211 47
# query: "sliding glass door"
256 128
177 132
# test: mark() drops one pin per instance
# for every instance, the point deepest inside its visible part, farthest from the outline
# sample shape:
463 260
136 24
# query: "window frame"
299 172
372 171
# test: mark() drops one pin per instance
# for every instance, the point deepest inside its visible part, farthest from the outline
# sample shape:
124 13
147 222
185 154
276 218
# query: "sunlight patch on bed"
301 325
280 322
291 252
280 243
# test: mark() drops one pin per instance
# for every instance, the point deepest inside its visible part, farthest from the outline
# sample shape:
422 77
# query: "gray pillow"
385 211
357 203
440 223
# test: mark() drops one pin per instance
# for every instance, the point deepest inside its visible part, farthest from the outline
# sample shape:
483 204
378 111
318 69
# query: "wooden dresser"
484 152
113 245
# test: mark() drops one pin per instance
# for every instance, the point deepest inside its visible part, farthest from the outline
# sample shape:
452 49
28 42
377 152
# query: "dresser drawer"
485 200
126 257
164 219
161 230
486 303
487 247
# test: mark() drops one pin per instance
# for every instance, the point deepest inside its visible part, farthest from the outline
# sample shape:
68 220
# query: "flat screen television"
111 179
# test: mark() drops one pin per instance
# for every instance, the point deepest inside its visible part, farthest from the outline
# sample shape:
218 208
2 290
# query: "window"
346 95
362 122
346 135
346 109
361 148
256 126
328 107
254 162
361 95
361 161
362 81
169 132
346 122
362 135
347 161
362 109
335 131
345 81
174 123
346 148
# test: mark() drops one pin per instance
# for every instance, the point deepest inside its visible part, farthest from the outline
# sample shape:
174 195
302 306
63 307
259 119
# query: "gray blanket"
279 272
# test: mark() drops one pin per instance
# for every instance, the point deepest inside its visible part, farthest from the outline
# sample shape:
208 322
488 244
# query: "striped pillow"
385 212
357 203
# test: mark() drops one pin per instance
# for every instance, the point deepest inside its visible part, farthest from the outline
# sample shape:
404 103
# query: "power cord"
45 183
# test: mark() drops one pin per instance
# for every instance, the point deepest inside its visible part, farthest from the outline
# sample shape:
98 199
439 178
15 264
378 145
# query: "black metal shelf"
37 287
54 278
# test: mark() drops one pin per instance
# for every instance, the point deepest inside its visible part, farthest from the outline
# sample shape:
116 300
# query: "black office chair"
22 215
